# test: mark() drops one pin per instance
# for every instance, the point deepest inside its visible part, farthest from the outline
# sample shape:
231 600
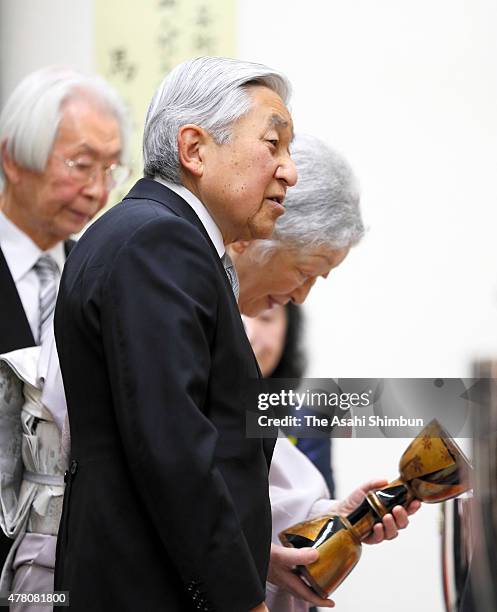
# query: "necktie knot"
46 268
231 274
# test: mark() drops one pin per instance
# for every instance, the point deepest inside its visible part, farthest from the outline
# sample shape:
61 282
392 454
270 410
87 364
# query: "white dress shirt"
21 254
202 213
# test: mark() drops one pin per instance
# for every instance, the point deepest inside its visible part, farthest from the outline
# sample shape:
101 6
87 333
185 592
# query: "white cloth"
202 213
34 573
49 372
21 254
31 467
298 492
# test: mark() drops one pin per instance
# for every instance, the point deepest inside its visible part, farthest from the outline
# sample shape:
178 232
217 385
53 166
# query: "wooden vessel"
432 469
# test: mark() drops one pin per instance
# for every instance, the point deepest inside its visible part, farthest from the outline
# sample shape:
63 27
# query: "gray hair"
323 208
210 92
31 116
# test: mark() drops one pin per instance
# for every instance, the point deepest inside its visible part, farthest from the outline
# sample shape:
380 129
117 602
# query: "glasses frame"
110 181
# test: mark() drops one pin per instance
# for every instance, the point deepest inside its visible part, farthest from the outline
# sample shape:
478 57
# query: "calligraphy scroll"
137 44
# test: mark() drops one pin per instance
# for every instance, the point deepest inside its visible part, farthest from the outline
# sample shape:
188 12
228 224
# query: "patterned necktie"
231 274
47 271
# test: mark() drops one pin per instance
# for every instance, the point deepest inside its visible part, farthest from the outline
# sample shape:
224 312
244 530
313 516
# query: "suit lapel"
15 331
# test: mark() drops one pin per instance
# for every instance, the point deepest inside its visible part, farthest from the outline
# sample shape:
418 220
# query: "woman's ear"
191 139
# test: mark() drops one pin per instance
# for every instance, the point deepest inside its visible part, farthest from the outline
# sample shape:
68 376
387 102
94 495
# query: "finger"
390 527
298 556
376 536
400 515
413 507
299 589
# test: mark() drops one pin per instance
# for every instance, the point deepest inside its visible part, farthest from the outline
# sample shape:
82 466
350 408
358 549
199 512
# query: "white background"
408 92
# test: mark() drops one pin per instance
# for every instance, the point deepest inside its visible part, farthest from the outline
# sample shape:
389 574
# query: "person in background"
63 141
288 361
322 222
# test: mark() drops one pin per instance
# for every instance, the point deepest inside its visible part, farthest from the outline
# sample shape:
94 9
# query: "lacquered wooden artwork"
432 469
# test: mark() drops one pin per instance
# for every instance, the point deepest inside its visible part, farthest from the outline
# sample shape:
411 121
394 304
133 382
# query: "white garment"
34 573
53 388
31 469
298 492
21 254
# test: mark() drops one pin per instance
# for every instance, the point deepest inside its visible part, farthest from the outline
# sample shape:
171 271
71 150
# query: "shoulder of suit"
171 229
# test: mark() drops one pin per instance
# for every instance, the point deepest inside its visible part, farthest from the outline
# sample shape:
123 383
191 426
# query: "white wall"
408 92
34 34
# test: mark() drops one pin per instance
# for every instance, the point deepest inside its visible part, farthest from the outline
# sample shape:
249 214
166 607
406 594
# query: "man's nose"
97 187
299 295
287 171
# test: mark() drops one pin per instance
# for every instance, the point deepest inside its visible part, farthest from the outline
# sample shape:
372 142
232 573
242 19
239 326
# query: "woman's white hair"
30 118
210 92
323 208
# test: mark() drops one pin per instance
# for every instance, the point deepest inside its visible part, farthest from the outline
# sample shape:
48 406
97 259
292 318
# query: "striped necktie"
231 274
47 271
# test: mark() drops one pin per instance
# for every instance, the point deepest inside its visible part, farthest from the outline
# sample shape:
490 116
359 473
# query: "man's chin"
252 309
262 228
70 229
262 231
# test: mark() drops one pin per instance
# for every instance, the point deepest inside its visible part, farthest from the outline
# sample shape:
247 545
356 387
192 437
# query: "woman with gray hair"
322 221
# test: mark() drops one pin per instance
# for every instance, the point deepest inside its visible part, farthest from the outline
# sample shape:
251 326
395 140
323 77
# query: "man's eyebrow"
276 120
86 148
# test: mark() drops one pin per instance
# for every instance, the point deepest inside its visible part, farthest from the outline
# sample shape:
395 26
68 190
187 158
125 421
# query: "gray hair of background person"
30 118
323 208
210 92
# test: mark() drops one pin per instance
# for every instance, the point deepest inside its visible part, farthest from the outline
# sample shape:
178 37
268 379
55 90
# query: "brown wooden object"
432 469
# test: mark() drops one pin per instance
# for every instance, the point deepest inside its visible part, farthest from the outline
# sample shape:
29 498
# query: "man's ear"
239 246
10 167
191 141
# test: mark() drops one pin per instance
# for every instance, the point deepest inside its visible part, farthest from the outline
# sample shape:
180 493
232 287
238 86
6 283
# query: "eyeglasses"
85 171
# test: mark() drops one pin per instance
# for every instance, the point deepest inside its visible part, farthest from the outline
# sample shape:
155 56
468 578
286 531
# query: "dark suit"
15 333
167 506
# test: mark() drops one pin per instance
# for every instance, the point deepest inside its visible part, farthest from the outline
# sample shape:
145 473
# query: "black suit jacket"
15 333
166 506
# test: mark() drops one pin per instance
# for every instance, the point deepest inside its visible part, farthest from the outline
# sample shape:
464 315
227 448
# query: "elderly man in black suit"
166 503
62 136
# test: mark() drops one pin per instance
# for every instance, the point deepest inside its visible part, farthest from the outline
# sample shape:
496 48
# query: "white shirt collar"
20 252
202 213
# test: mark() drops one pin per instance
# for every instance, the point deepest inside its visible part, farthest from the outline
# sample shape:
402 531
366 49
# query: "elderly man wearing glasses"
62 141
